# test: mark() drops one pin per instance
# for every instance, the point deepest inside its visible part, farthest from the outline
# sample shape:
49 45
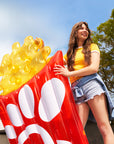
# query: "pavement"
93 134
3 139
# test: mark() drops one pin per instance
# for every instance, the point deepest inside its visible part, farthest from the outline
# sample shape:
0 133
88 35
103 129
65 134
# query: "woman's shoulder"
94 47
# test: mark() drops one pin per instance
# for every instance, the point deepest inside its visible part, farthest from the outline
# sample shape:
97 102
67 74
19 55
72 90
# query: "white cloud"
5 48
16 25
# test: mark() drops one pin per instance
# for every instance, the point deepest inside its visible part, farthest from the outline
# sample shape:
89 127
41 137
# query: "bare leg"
99 110
83 111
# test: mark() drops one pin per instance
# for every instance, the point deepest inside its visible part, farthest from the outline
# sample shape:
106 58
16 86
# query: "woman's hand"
61 70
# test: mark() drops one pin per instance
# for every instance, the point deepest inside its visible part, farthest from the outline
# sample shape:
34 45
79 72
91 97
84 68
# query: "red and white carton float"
43 110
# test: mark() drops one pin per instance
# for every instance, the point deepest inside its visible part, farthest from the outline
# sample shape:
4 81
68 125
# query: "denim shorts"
87 91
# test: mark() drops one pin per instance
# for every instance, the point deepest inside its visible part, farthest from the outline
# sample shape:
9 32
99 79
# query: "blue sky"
50 20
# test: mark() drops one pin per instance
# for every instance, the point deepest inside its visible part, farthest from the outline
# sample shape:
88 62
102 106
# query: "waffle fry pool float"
37 106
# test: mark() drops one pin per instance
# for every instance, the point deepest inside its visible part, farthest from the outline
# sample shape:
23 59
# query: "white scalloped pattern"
52 97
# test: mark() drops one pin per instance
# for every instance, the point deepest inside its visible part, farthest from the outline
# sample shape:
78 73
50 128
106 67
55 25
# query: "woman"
82 59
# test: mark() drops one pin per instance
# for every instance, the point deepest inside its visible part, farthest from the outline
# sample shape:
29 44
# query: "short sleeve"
65 57
94 48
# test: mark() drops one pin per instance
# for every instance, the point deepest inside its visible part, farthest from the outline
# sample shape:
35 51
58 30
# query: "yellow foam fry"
23 63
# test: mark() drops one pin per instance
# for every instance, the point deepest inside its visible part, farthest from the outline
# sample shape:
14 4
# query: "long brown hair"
73 45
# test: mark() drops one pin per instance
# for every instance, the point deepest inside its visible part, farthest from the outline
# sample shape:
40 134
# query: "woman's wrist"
73 73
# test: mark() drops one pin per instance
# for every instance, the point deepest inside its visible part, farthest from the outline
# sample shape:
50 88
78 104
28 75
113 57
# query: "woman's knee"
104 128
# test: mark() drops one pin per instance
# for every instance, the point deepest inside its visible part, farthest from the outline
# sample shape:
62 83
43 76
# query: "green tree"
104 37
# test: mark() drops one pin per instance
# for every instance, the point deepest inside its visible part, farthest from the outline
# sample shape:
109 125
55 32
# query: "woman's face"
83 33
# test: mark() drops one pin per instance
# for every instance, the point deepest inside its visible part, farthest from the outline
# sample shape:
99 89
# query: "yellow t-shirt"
79 62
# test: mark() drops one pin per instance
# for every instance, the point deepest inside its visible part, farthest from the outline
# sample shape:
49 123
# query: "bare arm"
92 68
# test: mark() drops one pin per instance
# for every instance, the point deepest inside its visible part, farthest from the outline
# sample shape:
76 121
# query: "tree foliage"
104 37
